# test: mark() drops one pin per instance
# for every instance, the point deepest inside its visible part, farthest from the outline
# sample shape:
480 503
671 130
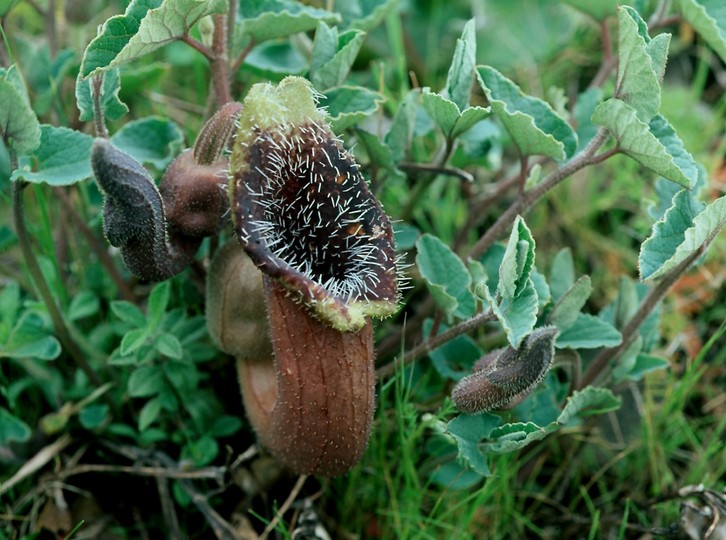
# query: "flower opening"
303 211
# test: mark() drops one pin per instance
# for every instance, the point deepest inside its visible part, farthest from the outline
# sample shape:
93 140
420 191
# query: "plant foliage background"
547 163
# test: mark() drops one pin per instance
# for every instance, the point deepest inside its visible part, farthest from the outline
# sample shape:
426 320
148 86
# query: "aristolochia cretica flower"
306 218
303 211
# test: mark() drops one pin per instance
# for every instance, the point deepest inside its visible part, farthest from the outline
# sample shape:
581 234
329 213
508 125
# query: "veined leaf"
62 158
708 17
18 123
562 273
641 62
348 105
588 332
333 55
588 402
152 140
567 308
447 115
113 107
637 141
706 226
517 262
534 126
461 71
269 19
144 27
468 431
446 276
668 233
518 314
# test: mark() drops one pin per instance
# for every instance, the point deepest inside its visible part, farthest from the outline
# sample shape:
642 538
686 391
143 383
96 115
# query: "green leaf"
12 429
83 305
533 125
169 345
461 72
113 108
565 312
145 26
637 141
30 338
128 313
201 452
114 36
455 358
667 136
644 364
518 315
399 137
363 14
333 56
446 277
517 262
582 112
448 116
158 302
93 416
511 437
276 59
63 158
133 340
268 19
668 233
145 381
348 105
638 82
588 332
149 413
468 431
19 126
588 402
562 273
225 426
706 226
597 9
708 18
9 307
151 140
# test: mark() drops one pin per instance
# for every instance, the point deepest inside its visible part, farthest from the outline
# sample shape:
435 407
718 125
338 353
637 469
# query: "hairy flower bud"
506 375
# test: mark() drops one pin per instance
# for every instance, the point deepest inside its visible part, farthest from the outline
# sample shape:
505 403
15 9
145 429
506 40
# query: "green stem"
36 274
220 65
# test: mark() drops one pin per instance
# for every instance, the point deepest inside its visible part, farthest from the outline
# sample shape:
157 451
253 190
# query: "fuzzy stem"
436 341
220 67
630 331
99 119
522 203
42 285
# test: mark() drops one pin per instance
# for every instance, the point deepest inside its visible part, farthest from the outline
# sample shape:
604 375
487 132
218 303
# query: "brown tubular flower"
304 214
504 377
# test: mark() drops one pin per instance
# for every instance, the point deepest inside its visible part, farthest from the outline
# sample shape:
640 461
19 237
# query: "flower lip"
305 215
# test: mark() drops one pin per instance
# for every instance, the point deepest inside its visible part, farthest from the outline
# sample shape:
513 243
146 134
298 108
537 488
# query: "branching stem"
436 341
522 203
